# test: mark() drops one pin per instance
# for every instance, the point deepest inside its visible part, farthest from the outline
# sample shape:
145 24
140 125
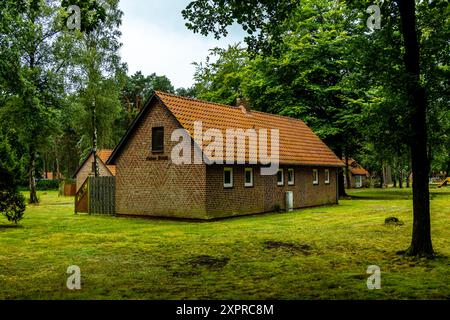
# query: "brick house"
149 183
86 169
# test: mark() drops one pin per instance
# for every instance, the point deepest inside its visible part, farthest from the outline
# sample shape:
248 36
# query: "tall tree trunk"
381 177
347 174
94 141
421 244
400 178
448 167
32 176
341 185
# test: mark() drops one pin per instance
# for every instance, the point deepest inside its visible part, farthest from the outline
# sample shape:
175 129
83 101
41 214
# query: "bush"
43 185
12 205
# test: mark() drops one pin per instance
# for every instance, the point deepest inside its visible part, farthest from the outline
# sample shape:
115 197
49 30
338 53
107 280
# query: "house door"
358 181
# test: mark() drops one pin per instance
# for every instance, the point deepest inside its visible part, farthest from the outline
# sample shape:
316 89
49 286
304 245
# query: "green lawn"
319 253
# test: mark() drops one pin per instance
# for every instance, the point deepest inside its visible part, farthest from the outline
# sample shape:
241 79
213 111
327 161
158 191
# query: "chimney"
243 104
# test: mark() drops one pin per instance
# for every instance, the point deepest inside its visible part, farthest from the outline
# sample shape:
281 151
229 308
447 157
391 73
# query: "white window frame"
315 176
248 184
327 176
291 183
280 183
228 185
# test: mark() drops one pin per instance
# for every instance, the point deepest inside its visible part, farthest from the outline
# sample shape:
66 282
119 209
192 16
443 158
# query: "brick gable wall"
158 187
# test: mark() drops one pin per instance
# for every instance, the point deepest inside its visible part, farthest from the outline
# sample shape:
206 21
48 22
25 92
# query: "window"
327 176
315 176
248 177
93 166
280 177
228 177
158 139
358 181
291 177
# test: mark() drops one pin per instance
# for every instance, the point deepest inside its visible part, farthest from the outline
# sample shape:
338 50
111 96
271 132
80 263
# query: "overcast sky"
155 39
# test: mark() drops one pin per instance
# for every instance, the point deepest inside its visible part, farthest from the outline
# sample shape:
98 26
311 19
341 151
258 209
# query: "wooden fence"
96 196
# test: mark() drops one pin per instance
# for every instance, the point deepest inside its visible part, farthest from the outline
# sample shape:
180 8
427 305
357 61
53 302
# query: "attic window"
158 139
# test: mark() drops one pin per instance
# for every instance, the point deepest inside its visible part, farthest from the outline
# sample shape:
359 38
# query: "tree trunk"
448 167
31 176
347 174
94 141
341 186
381 177
421 244
400 179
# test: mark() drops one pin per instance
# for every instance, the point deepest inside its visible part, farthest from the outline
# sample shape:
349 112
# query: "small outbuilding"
359 177
86 169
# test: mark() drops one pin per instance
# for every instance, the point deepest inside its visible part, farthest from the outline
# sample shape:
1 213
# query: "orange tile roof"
356 168
359 171
298 143
104 154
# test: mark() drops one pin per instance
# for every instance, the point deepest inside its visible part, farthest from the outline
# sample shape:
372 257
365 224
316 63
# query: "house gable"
149 183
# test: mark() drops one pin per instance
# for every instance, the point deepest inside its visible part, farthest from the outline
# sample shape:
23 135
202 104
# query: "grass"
317 253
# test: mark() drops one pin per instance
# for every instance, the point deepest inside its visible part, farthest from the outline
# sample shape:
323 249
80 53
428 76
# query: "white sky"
155 39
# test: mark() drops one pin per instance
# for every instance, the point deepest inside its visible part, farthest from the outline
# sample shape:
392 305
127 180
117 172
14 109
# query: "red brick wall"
265 193
158 187
86 171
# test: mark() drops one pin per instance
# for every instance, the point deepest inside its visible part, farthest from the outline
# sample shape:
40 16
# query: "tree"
37 52
399 87
417 102
138 88
97 73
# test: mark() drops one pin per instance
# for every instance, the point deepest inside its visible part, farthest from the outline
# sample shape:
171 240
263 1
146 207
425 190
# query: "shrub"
43 185
12 205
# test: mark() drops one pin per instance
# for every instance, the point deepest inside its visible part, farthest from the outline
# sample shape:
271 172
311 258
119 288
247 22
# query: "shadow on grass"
10 226
392 195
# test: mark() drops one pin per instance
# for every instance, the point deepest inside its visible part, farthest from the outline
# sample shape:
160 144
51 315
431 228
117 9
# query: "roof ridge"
195 99
226 105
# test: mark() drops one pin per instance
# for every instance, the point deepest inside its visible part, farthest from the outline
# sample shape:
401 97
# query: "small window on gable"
93 166
280 177
327 176
315 176
228 177
248 177
158 139
291 177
